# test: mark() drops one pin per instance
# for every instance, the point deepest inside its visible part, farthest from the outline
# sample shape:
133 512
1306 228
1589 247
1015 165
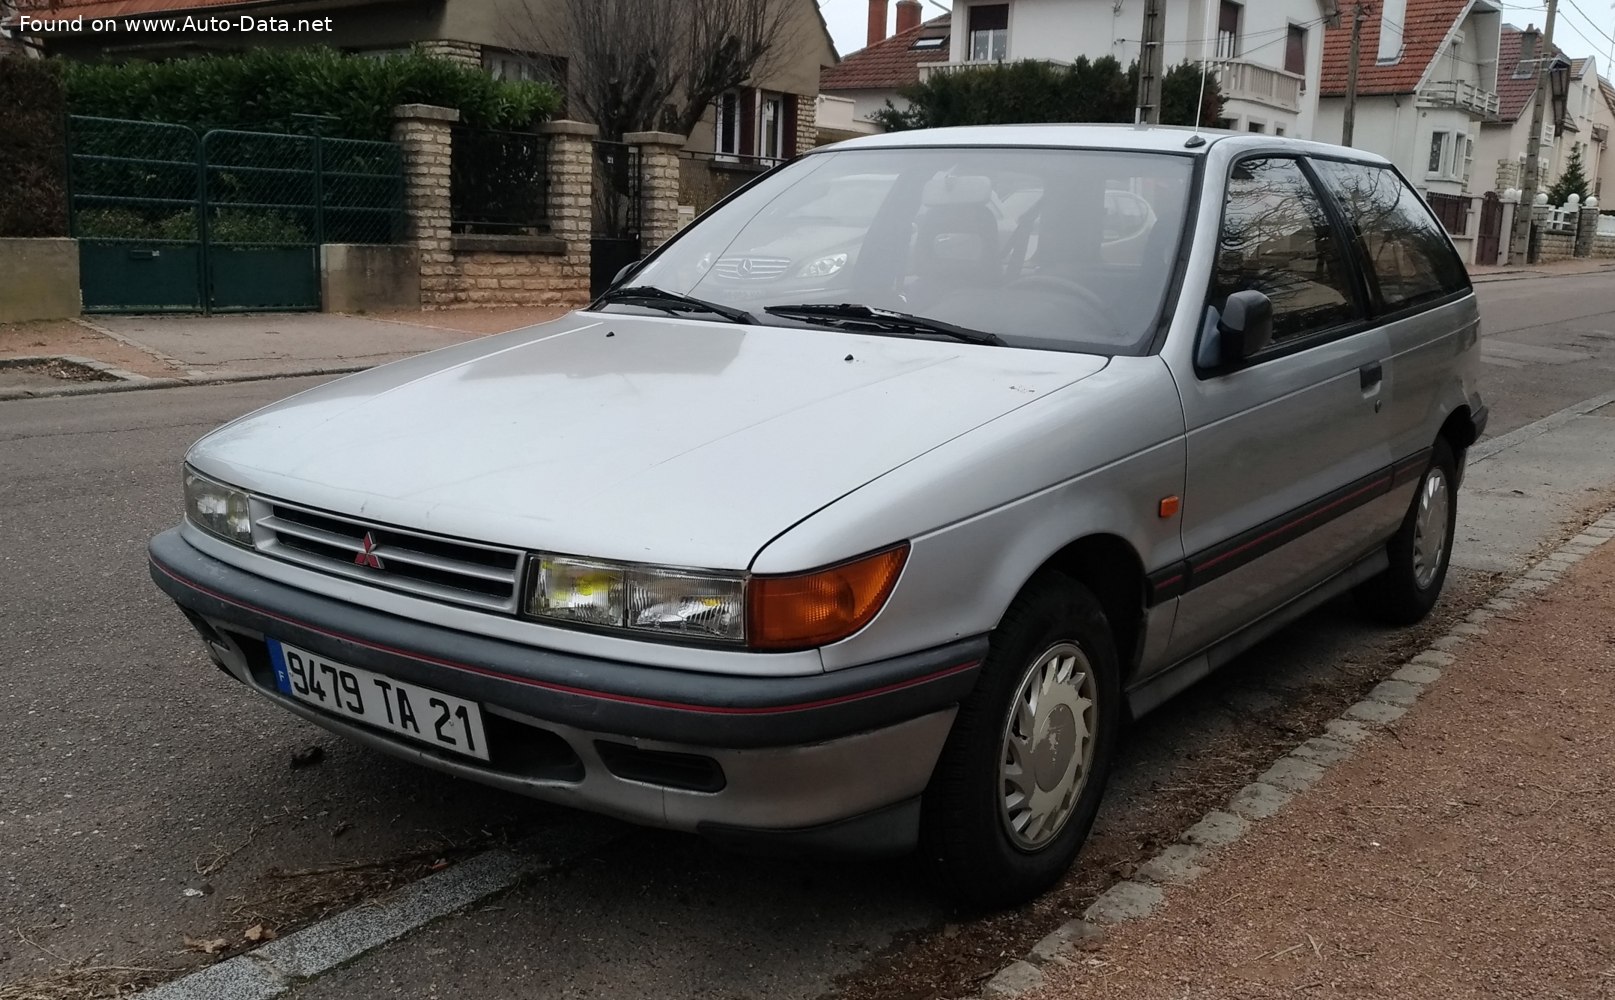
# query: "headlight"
666 602
774 613
217 509
824 266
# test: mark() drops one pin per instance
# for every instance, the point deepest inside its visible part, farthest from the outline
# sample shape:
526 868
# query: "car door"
1417 287
1287 460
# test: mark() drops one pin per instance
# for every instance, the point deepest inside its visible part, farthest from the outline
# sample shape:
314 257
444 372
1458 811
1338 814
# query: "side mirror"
1246 326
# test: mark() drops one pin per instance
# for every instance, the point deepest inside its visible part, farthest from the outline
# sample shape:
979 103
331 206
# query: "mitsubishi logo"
367 557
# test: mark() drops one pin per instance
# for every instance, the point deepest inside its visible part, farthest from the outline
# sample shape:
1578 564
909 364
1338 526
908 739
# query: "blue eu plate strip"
277 659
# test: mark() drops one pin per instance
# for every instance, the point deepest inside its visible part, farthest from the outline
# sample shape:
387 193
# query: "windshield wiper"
884 319
651 297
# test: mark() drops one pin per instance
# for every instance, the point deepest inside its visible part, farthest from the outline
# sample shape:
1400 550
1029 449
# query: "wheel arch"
1110 567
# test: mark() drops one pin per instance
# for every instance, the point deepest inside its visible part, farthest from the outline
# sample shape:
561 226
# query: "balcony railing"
1247 81
927 70
1460 94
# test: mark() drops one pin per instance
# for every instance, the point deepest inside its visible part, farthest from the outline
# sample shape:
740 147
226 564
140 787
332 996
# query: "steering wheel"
1055 283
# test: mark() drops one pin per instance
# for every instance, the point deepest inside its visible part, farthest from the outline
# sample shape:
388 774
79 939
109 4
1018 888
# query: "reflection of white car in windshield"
822 229
825 225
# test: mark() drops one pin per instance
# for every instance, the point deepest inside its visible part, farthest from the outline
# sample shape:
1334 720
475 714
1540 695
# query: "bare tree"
640 65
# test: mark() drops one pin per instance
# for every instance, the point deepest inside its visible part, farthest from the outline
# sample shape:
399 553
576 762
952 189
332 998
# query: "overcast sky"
1577 31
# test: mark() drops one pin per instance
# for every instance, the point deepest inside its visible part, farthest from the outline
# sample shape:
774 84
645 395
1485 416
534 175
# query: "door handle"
1370 375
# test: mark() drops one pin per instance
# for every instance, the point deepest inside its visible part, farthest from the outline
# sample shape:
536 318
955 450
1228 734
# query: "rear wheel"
1421 550
1019 781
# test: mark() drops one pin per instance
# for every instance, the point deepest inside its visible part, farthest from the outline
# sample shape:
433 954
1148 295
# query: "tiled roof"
1578 67
1425 26
1609 92
1514 87
890 63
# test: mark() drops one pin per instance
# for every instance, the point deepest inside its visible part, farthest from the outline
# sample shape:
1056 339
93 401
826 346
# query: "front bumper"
795 757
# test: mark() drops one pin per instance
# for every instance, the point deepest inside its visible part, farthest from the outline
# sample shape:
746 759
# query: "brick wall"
461 271
659 184
467 53
807 122
1556 246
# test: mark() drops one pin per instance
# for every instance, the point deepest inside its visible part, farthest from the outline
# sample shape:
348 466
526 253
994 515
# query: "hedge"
32 158
275 90
1029 91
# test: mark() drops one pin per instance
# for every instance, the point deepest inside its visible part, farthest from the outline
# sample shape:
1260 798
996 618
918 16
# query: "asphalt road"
145 799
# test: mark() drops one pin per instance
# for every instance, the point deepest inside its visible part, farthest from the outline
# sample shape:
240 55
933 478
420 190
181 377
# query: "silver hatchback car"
864 520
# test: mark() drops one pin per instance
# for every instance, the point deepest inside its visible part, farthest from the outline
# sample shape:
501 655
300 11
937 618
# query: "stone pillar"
423 133
807 122
1587 228
658 186
1539 224
1511 204
571 202
464 53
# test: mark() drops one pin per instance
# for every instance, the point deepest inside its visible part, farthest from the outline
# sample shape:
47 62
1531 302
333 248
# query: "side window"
1409 258
1276 238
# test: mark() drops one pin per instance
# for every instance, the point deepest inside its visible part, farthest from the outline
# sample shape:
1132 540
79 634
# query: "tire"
1405 593
1054 629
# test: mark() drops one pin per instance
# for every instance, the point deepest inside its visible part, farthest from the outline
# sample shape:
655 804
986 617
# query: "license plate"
419 713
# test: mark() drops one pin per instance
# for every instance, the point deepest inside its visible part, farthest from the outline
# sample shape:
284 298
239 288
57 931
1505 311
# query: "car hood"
661 440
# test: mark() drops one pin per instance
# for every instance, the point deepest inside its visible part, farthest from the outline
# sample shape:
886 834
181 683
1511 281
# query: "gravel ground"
57 337
1463 854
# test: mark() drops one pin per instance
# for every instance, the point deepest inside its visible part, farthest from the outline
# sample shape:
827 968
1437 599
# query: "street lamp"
1559 87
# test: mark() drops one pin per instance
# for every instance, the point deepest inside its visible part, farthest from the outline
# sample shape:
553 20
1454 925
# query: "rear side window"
1409 258
1277 239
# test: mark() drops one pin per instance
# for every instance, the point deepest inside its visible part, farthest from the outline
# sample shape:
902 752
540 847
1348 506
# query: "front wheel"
1421 550
1020 778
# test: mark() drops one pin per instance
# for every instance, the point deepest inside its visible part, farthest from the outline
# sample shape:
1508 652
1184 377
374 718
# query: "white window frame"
720 121
1440 144
770 126
969 35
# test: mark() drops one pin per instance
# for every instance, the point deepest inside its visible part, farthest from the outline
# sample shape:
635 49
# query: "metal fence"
1452 210
229 220
499 182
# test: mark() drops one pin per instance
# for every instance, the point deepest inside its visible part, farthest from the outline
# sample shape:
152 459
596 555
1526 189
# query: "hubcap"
1048 746
1430 527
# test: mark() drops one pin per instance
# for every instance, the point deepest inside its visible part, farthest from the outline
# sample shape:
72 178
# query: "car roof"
1140 138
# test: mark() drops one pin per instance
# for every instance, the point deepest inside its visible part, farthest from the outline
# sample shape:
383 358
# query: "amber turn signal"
821 607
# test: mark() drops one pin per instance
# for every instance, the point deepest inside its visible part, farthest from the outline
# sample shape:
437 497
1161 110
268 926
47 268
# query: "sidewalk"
1554 269
150 351
1463 851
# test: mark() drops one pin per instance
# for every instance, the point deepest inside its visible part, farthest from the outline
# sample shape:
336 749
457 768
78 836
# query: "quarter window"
1277 239
1409 257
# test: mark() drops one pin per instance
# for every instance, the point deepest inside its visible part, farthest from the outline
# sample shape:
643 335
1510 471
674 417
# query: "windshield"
1055 249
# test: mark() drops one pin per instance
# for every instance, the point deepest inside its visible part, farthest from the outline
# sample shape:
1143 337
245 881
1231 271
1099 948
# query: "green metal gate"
137 213
230 221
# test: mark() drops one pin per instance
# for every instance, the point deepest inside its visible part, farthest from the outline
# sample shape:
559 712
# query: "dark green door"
136 214
261 203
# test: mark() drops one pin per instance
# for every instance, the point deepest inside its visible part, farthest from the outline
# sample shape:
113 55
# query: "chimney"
1528 39
877 21
908 15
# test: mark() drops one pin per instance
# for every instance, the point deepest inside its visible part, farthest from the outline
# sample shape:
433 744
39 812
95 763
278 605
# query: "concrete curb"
1526 273
96 388
1290 775
73 359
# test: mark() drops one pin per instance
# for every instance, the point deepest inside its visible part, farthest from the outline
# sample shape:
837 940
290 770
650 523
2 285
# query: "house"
1604 135
1501 148
877 74
1427 82
1588 117
751 127
1266 55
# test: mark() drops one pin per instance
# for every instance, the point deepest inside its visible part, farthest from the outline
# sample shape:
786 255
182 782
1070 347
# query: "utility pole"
1350 125
1520 239
1151 64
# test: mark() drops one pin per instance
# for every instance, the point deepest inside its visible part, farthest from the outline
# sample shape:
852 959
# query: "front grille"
751 268
442 569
